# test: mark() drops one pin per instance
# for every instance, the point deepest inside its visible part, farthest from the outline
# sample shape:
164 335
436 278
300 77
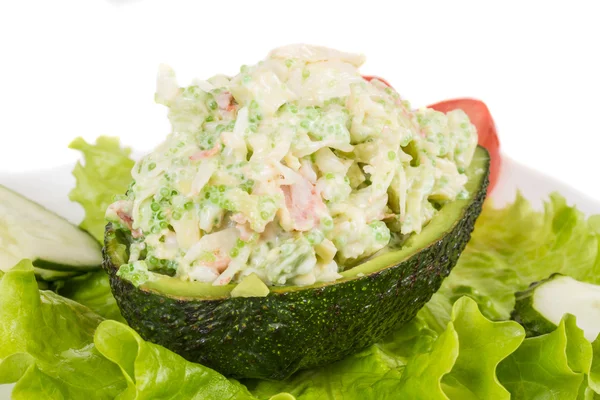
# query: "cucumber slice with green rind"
57 248
541 307
50 275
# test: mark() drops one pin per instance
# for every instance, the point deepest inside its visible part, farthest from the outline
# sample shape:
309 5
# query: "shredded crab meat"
225 101
308 172
238 218
202 154
304 203
338 152
380 217
242 226
222 280
122 209
245 232
219 265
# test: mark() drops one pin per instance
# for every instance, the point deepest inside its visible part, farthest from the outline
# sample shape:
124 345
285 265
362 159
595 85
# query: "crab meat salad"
302 233
295 169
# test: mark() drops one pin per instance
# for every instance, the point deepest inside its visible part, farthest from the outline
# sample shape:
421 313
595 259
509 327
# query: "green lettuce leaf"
594 373
153 372
92 290
415 363
423 375
369 374
46 344
462 364
473 376
372 373
553 365
514 246
436 313
55 348
106 173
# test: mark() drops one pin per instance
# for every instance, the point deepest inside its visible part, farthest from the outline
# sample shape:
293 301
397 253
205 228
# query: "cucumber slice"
57 248
541 307
48 275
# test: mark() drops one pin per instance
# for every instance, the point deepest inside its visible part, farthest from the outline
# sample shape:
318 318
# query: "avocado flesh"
298 327
250 286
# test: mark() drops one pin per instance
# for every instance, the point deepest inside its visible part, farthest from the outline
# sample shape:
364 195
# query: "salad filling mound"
294 170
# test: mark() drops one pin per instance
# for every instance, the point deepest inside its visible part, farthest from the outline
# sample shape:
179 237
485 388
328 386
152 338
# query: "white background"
84 67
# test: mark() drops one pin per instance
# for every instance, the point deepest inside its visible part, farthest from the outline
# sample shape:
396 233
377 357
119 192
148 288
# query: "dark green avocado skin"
272 337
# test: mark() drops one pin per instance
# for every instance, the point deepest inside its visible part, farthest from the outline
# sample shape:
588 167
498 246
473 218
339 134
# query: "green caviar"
293 167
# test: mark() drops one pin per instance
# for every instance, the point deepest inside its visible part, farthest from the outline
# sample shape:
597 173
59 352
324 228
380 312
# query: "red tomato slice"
368 78
480 116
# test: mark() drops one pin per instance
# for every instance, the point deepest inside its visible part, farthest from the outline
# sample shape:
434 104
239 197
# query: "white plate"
51 188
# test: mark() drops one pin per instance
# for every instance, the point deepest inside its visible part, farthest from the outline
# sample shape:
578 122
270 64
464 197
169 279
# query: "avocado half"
297 327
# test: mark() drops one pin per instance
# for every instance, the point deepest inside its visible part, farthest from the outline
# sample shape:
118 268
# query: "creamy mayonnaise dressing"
291 169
